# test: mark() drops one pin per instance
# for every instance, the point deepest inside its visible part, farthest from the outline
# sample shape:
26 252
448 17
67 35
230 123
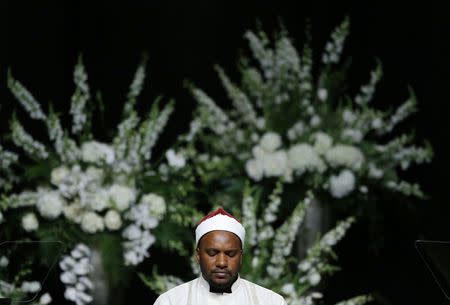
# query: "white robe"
196 292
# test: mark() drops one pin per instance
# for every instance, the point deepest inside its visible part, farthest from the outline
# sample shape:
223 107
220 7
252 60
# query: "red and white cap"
220 220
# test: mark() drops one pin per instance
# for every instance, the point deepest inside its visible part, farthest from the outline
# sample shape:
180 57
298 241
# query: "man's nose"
221 261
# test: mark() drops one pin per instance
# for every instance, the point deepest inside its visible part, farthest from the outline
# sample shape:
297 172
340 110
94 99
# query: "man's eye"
211 253
232 254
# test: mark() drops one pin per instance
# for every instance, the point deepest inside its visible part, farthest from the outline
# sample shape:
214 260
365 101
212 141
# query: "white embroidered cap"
220 220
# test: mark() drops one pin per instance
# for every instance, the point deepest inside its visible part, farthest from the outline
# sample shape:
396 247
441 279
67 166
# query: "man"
220 241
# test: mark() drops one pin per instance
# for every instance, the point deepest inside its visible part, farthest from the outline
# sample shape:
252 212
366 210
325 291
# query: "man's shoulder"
175 293
178 289
260 290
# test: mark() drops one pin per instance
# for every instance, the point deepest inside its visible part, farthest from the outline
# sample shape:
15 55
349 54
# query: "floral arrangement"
99 193
293 120
268 258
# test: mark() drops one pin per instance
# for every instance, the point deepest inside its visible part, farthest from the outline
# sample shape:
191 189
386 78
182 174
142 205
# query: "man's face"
220 257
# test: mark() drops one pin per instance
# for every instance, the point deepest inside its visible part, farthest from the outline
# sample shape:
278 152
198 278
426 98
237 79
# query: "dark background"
41 40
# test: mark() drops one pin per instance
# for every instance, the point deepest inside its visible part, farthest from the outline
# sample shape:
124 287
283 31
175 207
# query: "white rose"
342 184
112 220
254 168
175 160
59 174
258 152
270 141
50 205
345 155
73 212
322 142
99 200
96 152
156 204
30 222
276 164
91 222
122 196
303 157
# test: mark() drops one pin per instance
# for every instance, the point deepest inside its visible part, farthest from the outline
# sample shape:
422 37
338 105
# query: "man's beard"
219 287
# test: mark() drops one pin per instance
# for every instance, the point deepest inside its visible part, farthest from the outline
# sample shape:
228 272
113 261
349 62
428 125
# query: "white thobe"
196 292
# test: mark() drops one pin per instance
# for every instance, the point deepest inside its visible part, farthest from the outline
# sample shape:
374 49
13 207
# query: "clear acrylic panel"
436 256
24 268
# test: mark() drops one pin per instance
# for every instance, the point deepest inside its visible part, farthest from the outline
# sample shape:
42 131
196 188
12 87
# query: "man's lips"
221 273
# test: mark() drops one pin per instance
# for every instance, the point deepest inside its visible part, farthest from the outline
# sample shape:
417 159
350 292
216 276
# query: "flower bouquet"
99 198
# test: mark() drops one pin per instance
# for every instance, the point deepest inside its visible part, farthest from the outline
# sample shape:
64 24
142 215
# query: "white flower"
70 294
91 222
270 141
363 189
260 123
288 289
30 222
258 152
345 155
302 157
255 262
304 266
314 279
322 94
96 152
156 204
4 261
131 258
375 172
73 212
343 184
68 277
254 168
45 299
295 131
132 232
99 200
122 196
348 116
354 135
112 220
315 121
377 123
30 286
82 267
59 174
50 205
275 164
322 142
175 160
95 174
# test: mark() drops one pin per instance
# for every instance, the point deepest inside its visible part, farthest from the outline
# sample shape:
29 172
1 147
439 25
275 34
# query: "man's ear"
197 256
